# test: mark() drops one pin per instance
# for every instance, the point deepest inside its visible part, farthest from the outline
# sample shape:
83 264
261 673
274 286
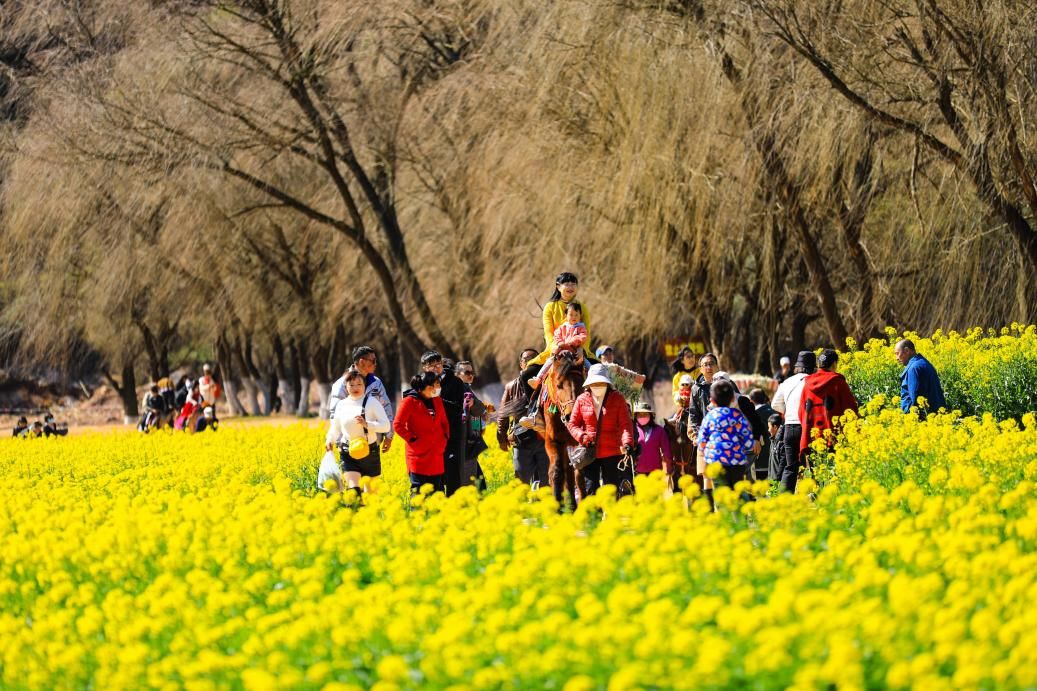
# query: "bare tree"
957 77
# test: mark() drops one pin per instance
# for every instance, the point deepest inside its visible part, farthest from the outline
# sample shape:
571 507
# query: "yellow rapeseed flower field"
209 561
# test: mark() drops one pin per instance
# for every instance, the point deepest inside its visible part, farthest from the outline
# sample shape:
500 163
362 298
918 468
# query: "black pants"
790 467
603 471
453 460
417 480
531 463
369 466
732 475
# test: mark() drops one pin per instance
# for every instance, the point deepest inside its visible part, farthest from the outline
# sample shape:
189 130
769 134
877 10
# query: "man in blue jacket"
919 380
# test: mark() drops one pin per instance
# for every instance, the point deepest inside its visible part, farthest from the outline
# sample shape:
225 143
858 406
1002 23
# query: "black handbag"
581 456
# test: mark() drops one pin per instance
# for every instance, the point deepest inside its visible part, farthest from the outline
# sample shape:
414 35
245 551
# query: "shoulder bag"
581 456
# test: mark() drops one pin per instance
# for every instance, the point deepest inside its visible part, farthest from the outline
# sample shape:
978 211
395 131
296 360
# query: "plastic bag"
330 470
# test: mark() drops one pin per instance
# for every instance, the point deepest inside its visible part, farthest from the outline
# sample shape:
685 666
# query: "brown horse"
683 450
565 385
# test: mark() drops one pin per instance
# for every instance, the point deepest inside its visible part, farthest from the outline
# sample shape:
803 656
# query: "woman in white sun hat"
600 416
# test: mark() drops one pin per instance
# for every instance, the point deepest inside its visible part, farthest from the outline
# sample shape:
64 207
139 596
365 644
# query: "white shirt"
377 389
206 387
345 427
786 398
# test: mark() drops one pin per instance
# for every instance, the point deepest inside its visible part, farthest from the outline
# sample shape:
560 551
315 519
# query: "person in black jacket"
763 413
452 393
708 366
776 431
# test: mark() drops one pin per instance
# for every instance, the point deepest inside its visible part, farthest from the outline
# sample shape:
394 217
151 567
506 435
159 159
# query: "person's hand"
360 420
387 444
490 408
756 447
330 446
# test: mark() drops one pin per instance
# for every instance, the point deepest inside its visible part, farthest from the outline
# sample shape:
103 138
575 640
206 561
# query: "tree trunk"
230 389
296 375
248 381
391 374
151 350
324 392
251 395
284 386
784 189
230 386
303 408
127 390
270 390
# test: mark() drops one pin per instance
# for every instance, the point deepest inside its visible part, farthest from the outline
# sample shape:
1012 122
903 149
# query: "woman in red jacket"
612 438
421 422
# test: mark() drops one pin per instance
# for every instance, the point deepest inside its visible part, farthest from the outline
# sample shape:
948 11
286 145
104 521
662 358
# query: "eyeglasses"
468 373
372 358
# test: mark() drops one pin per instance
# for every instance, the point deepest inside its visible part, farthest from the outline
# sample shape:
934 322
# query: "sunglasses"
468 373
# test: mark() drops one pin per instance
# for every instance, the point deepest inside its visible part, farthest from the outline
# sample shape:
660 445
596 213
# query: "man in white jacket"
365 360
786 401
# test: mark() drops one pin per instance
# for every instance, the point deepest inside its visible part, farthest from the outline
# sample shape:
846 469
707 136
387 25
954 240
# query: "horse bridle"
565 408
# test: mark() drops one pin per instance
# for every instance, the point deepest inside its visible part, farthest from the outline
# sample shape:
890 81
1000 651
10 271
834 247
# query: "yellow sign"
672 347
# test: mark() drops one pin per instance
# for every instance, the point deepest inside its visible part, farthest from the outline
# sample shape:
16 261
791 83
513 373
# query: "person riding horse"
560 394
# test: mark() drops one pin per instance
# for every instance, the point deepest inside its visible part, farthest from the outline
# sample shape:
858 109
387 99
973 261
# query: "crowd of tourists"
441 418
47 427
717 434
188 406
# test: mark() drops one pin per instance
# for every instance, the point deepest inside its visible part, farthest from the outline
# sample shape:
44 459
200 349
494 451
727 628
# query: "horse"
565 385
683 449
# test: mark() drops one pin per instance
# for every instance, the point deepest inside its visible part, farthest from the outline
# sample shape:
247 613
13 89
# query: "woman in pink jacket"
612 436
652 441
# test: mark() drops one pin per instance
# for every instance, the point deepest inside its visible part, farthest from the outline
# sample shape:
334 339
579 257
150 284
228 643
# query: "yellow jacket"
554 315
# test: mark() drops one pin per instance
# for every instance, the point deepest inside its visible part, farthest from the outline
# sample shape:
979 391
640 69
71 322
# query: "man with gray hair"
919 380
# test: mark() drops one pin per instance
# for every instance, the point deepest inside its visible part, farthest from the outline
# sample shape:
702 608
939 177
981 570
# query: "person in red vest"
826 396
